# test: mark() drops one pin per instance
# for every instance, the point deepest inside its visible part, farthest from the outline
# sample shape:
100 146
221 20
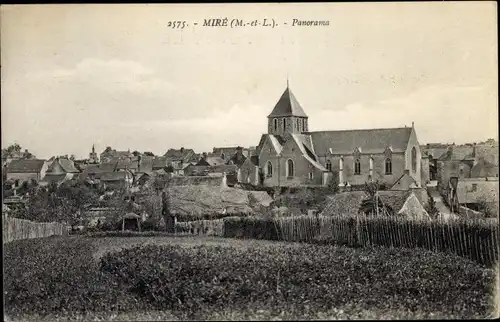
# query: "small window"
311 175
284 124
357 167
223 156
275 124
474 187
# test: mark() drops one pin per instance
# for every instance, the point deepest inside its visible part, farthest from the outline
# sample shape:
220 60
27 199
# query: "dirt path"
440 205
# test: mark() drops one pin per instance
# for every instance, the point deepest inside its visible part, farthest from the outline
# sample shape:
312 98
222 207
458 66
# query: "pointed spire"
93 148
287 84
412 124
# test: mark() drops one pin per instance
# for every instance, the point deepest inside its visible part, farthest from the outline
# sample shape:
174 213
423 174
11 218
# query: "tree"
431 206
14 148
136 153
108 149
149 154
333 185
373 204
261 177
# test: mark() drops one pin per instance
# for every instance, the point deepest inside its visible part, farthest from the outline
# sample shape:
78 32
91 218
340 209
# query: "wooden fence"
15 228
473 239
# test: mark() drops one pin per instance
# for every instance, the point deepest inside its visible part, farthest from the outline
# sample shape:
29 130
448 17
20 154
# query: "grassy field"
172 278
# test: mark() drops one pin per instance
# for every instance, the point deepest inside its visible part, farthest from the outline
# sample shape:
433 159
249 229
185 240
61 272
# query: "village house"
59 171
175 158
291 155
228 153
248 172
24 170
91 175
210 160
117 180
447 161
159 163
473 193
110 154
16 155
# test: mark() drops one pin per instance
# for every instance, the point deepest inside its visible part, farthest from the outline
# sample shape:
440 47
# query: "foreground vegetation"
57 277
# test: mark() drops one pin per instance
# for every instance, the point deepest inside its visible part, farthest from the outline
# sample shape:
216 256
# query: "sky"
74 75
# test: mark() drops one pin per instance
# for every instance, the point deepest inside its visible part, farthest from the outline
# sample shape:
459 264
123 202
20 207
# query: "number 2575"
176 24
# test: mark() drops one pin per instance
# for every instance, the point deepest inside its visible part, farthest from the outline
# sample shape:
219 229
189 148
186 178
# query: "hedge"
473 239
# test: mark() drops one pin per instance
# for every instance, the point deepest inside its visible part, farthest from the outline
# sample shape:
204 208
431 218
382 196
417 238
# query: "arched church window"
414 159
275 124
388 166
357 167
269 169
289 168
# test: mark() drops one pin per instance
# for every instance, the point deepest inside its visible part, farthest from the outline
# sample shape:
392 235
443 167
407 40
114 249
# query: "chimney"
407 171
182 150
474 150
204 156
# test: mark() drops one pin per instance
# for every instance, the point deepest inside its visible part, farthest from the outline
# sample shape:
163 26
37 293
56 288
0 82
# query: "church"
289 154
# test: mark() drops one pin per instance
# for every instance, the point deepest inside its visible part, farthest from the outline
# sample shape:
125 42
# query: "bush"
196 281
59 276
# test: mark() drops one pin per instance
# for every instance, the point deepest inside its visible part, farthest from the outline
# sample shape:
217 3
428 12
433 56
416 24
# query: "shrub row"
193 282
59 277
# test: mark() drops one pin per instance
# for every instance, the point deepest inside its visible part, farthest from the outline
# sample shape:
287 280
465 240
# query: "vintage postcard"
307 161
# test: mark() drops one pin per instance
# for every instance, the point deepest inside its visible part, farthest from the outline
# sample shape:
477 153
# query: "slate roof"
67 165
238 159
108 166
405 177
114 176
91 169
212 161
435 152
25 166
177 155
127 164
159 163
228 151
287 105
303 141
57 178
458 153
369 140
276 142
484 169
119 154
